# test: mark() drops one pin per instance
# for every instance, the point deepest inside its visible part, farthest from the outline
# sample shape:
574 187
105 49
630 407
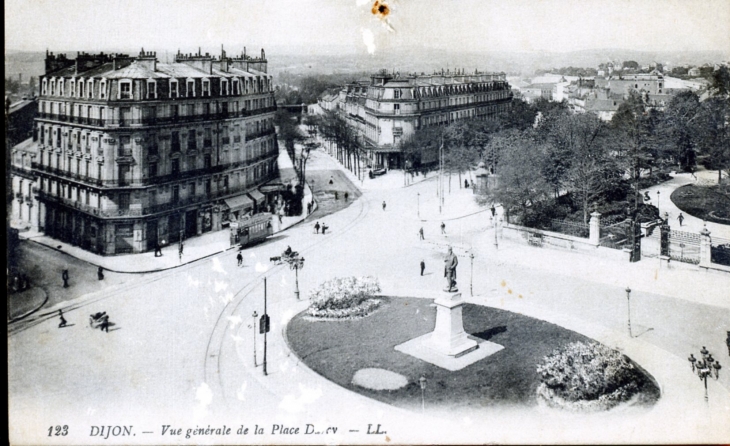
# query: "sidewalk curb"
28 313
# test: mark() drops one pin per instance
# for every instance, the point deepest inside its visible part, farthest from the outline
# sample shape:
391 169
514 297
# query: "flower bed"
344 298
587 377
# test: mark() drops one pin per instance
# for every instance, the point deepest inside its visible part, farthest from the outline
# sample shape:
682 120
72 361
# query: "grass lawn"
338 349
706 202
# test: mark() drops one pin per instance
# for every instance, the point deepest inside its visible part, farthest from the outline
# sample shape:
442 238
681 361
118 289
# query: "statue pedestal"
448 346
449 337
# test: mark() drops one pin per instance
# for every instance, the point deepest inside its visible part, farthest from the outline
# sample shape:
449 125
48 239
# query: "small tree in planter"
344 298
587 377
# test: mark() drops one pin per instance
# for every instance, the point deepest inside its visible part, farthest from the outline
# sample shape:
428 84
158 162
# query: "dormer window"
53 87
60 87
206 87
151 89
190 91
224 87
102 89
90 88
81 89
72 88
174 93
44 87
125 90
396 94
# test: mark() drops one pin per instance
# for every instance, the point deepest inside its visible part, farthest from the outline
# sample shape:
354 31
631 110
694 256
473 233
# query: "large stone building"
132 152
389 108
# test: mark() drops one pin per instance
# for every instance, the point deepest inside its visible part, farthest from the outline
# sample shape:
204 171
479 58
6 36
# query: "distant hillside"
411 59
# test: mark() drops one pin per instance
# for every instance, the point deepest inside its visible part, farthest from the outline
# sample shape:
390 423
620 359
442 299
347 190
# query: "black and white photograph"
375 222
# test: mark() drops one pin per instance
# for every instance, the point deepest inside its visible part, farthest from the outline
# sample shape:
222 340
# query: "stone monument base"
448 345
419 348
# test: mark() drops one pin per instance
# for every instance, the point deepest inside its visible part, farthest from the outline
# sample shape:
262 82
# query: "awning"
239 202
258 196
268 188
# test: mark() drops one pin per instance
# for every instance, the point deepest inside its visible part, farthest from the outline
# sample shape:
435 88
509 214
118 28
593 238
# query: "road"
181 350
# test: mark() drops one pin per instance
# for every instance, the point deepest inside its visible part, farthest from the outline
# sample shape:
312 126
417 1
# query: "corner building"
389 109
133 152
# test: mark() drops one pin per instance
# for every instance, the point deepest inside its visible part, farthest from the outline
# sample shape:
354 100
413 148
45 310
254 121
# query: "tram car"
249 230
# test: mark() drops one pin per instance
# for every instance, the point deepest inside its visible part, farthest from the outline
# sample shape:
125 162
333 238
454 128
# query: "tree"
634 140
713 140
288 132
521 184
579 140
679 128
721 81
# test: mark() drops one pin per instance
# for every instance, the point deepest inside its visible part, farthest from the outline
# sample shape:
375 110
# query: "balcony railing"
259 134
156 120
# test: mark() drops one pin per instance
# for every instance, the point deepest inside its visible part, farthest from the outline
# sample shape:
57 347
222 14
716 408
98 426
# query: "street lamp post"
705 366
255 315
628 306
657 200
422 382
471 277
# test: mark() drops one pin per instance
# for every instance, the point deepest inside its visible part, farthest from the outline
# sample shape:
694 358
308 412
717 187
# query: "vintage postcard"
368 221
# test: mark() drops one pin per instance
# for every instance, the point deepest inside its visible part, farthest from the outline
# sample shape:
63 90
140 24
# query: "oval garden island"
382 347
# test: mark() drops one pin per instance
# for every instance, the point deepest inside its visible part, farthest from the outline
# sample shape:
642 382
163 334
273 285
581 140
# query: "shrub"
344 297
587 376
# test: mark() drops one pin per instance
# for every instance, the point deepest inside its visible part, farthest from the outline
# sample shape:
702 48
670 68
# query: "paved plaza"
181 350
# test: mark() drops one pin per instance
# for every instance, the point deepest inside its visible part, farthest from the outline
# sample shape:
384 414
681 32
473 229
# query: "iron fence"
616 235
684 247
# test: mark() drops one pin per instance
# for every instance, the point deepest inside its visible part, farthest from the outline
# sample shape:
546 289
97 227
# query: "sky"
349 25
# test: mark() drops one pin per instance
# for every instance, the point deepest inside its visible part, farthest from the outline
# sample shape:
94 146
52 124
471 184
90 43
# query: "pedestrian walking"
324 228
64 276
494 210
383 205
423 266
443 228
347 195
63 320
692 360
239 257
680 218
104 325
420 233
100 273
466 183
316 228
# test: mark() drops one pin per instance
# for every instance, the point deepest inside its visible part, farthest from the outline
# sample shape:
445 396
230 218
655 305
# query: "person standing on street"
493 209
347 195
680 218
239 257
423 266
316 228
63 320
158 249
100 273
443 228
383 205
64 276
420 233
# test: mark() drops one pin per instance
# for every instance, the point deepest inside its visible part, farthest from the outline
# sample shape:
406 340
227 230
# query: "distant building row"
388 108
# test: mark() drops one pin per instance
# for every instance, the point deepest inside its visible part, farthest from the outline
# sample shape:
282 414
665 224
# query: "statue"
450 263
